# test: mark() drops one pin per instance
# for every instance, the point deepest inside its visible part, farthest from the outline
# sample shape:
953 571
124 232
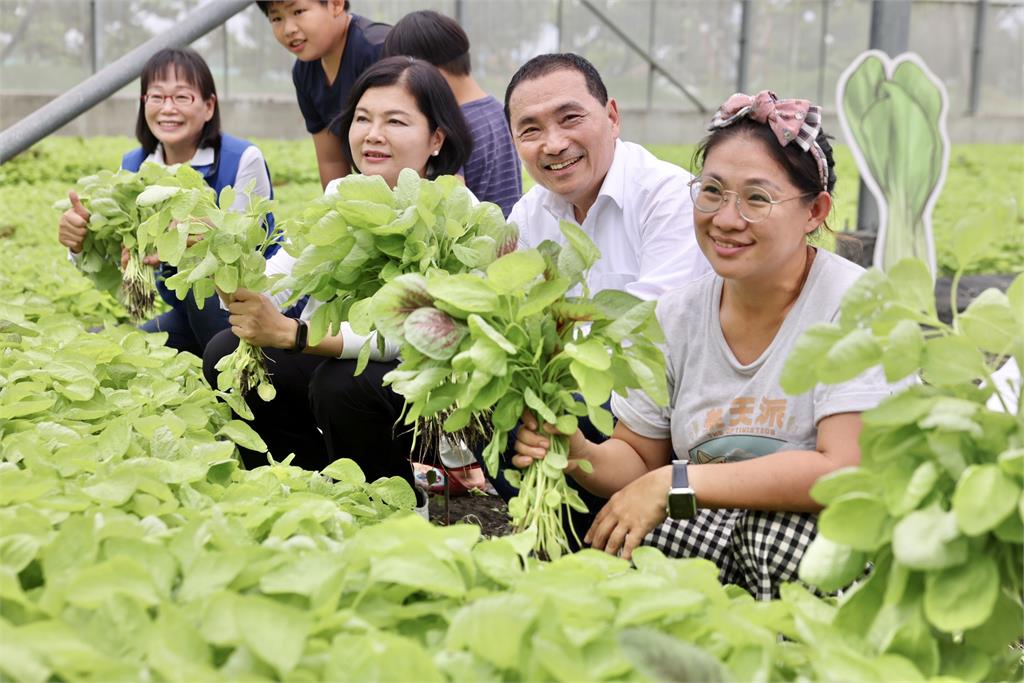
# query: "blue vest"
218 175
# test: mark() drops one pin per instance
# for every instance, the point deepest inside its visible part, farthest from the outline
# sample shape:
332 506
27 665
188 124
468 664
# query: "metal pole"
890 33
224 56
650 51
110 79
94 31
460 12
744 47
977 57
823 48
558 23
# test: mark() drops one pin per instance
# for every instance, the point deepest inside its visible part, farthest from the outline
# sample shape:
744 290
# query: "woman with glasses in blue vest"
179 122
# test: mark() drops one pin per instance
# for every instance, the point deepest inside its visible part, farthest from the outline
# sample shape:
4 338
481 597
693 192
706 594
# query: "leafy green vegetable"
352 242
123 214
935 504
228 255
493 345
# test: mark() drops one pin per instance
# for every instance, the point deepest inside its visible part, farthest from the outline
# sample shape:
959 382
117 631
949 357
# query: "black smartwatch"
682 501
301 333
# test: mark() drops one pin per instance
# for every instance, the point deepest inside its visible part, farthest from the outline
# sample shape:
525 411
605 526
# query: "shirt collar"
204 156
613 186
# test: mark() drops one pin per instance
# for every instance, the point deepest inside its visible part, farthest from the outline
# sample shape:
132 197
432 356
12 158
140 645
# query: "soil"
489 512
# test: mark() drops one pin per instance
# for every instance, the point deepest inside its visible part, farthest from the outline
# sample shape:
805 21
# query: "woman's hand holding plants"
631 514
73 225
255 319
531 445
150 260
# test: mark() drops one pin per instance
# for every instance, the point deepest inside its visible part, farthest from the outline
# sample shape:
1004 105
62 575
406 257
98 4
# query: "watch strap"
301 335
680 480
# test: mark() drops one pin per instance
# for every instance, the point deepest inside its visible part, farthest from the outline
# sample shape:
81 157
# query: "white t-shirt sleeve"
352 342
857 395
638 412
251 167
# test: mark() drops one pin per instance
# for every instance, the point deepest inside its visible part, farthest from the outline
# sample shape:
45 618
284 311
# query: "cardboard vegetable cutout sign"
893 114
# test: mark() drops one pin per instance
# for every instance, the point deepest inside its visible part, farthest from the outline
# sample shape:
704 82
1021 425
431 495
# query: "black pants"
361 418
323 412
286 424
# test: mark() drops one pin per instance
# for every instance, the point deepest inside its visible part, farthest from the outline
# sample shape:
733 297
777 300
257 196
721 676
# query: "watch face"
682 505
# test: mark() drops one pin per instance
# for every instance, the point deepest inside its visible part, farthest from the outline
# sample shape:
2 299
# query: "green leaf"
841 482
591 353
962 597
513 272
226 278
273 631
479 327
601 418
928 539
989 322
830 566
433 333
345 470
1011 461
800 372
596 386
635 318
952 360
17 551
921 483
983 498
578 241
855 352
539 408
493 628
94 585
171 244
913 285
858 520
156 194
902 355
543 295
244 435
467 292
394 301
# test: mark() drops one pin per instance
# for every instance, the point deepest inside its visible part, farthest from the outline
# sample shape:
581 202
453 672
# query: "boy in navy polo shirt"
333 47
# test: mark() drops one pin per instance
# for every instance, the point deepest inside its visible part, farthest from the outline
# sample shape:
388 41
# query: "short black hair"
189 66
542 65
432 37
435 101
264 5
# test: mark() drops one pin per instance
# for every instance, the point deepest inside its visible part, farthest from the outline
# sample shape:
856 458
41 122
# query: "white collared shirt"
642 222
251 167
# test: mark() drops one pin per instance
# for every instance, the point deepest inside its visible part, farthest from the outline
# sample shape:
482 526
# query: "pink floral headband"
791 120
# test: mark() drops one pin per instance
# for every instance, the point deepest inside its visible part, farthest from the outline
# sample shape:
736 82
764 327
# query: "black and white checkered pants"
755 550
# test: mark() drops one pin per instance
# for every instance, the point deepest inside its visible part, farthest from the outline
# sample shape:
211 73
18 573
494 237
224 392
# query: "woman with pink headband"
724 471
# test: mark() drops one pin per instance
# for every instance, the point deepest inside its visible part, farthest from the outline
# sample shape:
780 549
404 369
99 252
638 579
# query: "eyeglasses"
181 99
753 203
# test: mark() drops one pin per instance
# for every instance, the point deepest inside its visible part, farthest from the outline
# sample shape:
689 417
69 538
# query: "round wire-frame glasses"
754 203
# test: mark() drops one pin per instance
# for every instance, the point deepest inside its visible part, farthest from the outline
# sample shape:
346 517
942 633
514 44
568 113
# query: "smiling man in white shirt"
635 207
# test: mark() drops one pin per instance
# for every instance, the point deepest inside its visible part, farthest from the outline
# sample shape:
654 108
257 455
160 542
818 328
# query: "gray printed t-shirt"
722 411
